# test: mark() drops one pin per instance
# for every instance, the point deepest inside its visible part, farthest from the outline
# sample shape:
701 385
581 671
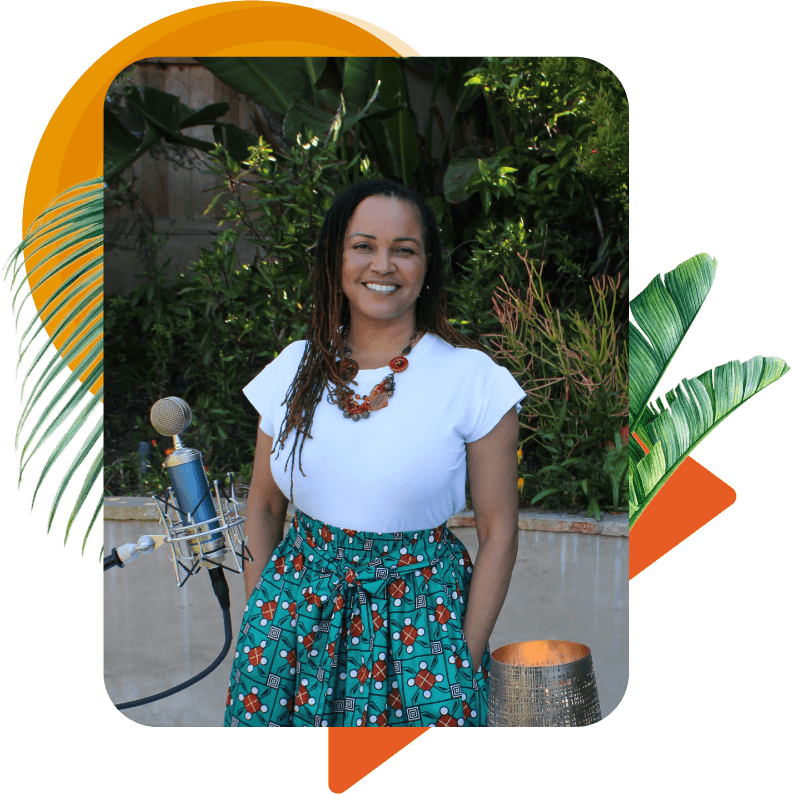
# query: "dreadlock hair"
331 312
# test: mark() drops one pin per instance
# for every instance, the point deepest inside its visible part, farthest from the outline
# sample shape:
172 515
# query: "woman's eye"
403 248
406 250
361 246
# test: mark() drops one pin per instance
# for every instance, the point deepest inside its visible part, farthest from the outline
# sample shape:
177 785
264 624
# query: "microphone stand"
146 544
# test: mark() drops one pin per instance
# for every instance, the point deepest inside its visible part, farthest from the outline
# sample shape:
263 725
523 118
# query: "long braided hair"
331 312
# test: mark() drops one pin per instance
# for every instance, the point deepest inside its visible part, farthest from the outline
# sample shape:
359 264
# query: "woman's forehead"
384 212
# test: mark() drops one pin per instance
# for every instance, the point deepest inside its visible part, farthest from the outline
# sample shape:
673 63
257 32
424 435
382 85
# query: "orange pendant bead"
398 364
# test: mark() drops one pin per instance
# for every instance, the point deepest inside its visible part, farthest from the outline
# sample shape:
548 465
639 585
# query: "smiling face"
384 262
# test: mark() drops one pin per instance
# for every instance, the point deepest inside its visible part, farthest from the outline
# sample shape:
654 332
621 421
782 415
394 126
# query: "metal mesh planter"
542 683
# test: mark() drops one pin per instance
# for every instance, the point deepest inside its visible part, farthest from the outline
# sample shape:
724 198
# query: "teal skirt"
358 629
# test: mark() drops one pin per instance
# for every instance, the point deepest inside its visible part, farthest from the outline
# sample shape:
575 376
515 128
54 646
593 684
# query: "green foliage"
574 369
550 181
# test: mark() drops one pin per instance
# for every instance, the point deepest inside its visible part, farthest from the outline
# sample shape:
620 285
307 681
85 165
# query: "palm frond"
664 434
63 248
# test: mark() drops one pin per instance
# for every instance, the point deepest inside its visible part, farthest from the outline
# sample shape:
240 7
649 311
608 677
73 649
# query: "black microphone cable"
221 588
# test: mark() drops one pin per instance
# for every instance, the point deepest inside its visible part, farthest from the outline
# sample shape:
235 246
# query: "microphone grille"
171 416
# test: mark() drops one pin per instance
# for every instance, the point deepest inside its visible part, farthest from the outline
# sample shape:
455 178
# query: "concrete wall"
567 585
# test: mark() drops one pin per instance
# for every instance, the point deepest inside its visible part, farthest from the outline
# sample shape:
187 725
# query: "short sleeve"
493 392
266 392
259 393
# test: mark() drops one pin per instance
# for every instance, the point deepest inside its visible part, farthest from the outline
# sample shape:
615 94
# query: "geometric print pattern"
358 629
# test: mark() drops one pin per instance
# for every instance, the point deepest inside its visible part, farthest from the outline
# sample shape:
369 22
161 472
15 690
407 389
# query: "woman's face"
384 262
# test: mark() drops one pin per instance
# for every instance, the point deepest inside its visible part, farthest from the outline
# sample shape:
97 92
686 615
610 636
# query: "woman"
367 613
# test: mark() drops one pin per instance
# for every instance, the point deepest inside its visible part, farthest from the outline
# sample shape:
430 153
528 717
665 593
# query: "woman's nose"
381 262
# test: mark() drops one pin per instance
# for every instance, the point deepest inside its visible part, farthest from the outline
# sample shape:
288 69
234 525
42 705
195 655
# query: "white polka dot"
304 682
393 685
342 676
313 653
378 684
439 677
408 621
473 713
242 697
311 701
250 668
412 682
444 710
461 722
423 665
311 557
439 600
282 701
356 558
358 723
283 654
324 723
465 663
410 649
421 632
276 577
354 674
420 558
247 606
403 550
330 691
255 690
427 693
398 712
237 655
372 719
264 708
432 618
300 638
285 605
385 548
247 716
263 644
396 635
397 602
247 649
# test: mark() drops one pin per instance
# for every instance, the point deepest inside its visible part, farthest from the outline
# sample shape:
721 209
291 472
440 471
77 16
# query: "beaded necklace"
378 397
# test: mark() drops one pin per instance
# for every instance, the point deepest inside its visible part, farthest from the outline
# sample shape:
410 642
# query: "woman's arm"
493 476
266 512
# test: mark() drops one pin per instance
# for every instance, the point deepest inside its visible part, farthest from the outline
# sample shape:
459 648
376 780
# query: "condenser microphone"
171 416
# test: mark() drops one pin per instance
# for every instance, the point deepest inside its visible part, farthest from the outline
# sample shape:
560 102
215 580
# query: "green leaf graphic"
664 311
70 230
670 430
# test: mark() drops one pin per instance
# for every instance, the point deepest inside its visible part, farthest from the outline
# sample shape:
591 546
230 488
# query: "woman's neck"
372 343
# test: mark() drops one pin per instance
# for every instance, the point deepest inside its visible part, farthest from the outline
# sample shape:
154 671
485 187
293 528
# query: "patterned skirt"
349 629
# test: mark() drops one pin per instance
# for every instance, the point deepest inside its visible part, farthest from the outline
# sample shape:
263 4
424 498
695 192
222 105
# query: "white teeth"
380 287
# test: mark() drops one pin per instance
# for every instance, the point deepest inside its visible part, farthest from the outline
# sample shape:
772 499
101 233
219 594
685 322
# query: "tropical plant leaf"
663 313
65 241
664 434
273 82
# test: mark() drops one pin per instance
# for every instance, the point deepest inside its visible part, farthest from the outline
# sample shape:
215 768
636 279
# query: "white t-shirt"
403 469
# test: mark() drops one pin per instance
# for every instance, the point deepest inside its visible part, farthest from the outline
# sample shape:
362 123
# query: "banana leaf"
165 116
663 434
273 82
663 313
